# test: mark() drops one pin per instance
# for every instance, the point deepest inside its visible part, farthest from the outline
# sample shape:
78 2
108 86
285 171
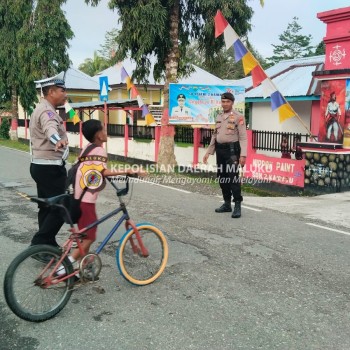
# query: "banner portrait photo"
200 104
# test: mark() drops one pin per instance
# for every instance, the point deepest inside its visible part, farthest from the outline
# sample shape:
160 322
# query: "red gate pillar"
156 141
25 128
196 140
126 139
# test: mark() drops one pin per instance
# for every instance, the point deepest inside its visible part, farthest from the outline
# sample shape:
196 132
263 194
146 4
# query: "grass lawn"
14 144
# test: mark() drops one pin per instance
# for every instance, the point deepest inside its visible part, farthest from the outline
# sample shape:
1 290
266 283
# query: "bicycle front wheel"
137 267
29 290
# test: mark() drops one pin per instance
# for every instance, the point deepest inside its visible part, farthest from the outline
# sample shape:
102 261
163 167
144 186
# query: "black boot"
236 210
225 208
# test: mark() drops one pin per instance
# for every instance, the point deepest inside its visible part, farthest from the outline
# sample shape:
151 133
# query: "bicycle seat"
51 200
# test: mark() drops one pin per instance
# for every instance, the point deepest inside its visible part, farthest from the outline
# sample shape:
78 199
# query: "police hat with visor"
57 80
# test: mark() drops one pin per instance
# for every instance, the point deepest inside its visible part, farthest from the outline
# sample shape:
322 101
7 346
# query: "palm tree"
92 66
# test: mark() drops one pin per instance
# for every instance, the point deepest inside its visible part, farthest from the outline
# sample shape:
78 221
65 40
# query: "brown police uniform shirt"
45 122
229 127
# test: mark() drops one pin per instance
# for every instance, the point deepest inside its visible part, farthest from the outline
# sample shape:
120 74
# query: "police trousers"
227 159
50 181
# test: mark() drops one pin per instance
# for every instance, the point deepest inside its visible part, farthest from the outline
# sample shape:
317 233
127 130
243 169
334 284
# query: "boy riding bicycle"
91 174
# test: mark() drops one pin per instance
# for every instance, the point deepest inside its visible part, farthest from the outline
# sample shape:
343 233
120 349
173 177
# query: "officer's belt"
47 161
227 145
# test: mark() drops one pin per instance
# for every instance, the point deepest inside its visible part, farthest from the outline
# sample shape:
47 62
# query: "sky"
90 24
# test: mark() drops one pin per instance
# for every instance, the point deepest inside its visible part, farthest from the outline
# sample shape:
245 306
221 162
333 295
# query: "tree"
293 44
34 38
164 29
320 49
4 129
12 16
110 46
92 66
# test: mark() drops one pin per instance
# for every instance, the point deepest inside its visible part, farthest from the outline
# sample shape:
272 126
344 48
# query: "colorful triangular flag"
123 74
249 62
72 115
277 100
220 23
240 50
285 112
140 100
268 87
258 75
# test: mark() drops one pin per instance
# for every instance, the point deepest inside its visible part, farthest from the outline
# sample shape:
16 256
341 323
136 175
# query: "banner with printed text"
200 104
268 169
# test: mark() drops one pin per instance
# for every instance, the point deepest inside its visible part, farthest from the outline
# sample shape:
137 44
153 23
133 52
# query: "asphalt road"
270 280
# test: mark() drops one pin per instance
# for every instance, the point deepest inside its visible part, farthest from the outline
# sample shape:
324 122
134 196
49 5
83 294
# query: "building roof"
198 76
77 80
293 78
110 103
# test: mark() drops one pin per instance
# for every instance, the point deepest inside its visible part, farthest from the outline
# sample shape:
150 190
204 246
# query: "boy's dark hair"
90 128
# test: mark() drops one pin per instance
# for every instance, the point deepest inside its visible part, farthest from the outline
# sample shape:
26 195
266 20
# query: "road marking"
328 228
250 208
171 188
24 195
245 207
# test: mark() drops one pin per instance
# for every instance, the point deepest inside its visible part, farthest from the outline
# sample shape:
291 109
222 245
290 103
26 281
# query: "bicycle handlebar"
120 191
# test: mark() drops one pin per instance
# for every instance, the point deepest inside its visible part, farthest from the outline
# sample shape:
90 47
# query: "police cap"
181 96
57 80
228 96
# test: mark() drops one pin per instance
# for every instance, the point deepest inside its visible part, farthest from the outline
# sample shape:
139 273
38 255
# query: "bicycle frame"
76 235
129 224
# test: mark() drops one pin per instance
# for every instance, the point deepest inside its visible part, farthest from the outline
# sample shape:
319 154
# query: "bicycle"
35 292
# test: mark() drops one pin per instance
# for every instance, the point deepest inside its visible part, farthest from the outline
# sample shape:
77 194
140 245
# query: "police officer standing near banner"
49 150
229 141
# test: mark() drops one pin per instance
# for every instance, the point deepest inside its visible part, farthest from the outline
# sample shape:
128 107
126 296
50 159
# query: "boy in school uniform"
91 174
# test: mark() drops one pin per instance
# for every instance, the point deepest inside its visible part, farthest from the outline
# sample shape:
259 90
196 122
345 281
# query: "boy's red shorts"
88 216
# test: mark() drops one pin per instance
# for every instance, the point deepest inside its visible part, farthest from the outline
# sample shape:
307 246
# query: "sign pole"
104 97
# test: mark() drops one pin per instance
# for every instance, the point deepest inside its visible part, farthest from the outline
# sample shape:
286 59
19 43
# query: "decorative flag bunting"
135 94
240 50
230 36
251 65
72 115
258 75
285 112
220 24
140 100
123 73
277 100
268 87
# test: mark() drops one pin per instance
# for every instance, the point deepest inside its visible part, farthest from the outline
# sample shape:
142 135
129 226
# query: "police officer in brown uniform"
49 150
229 141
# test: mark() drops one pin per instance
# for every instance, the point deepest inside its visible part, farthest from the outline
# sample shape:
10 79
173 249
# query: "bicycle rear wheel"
27 288
133 265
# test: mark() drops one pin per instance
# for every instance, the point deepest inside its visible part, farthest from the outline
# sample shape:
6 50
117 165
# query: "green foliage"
5 129
110 46
33 44
293 44
92 66
320 49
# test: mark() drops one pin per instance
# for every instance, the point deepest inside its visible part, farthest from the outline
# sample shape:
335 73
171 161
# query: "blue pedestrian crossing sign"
104 88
